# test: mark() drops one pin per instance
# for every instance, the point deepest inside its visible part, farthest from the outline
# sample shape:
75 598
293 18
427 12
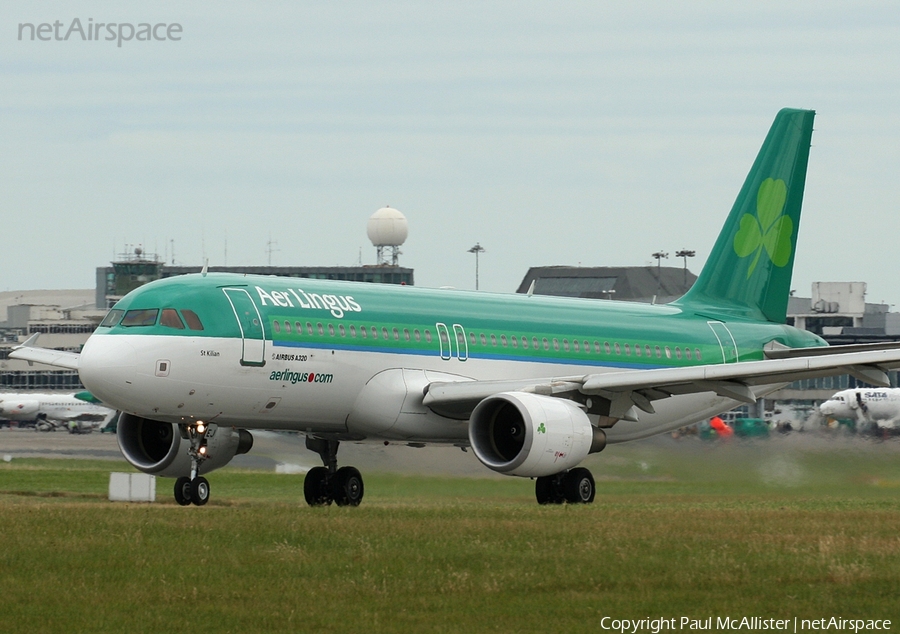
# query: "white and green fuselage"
290 353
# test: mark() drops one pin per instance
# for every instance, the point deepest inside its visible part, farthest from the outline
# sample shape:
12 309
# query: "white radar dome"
387 228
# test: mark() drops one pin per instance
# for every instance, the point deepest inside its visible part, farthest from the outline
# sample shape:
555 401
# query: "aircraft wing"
638 388
31 353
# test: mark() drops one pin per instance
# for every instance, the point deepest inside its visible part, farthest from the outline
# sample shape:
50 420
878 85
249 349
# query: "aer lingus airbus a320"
532 384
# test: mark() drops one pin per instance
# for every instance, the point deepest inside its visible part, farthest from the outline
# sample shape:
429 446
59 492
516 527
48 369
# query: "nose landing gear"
195 489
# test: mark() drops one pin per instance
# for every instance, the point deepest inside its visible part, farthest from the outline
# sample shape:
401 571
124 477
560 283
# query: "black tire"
199 491
543 490
315 487
183 491
548 490
578 486
347 487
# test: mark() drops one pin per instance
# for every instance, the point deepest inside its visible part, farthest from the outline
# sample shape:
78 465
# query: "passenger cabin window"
192 320
276 324
140 317
112 318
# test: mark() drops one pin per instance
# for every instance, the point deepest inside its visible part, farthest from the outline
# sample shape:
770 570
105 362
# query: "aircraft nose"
107 367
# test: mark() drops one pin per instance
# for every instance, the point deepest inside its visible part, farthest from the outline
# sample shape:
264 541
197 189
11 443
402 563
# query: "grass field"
765 529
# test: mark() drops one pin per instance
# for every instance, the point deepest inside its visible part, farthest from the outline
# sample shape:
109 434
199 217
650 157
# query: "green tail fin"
748 273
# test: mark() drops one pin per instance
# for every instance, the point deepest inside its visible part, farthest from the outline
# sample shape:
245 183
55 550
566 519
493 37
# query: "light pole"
684 253
476 250
659 255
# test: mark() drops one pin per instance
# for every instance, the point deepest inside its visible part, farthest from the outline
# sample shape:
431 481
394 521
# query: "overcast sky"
586 133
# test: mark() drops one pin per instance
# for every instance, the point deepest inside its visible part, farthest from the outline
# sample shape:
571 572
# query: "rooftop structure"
624 283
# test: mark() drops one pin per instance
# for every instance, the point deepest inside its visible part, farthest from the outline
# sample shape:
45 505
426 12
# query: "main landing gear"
575 487
324 485
195 489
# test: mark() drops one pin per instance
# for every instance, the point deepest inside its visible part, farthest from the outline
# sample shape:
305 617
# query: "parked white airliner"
878 407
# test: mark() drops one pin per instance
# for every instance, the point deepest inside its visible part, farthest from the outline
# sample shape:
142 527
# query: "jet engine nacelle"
157 448
523 434
20 409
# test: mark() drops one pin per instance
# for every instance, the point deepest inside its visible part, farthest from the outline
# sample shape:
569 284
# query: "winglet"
28 343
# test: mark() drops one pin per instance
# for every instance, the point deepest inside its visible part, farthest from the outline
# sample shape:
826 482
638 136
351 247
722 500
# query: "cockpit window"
112 318
140 317
170 319
193 321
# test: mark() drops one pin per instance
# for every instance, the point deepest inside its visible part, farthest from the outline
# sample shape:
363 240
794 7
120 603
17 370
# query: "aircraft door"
462 346
726 341
444 340
250 322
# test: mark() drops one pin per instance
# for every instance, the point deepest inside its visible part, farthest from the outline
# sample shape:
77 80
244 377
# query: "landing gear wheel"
199 491
315 487
547 492
347 487
578 486
183 491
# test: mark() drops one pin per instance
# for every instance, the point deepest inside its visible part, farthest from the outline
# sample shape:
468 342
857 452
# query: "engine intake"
157 448
530 435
